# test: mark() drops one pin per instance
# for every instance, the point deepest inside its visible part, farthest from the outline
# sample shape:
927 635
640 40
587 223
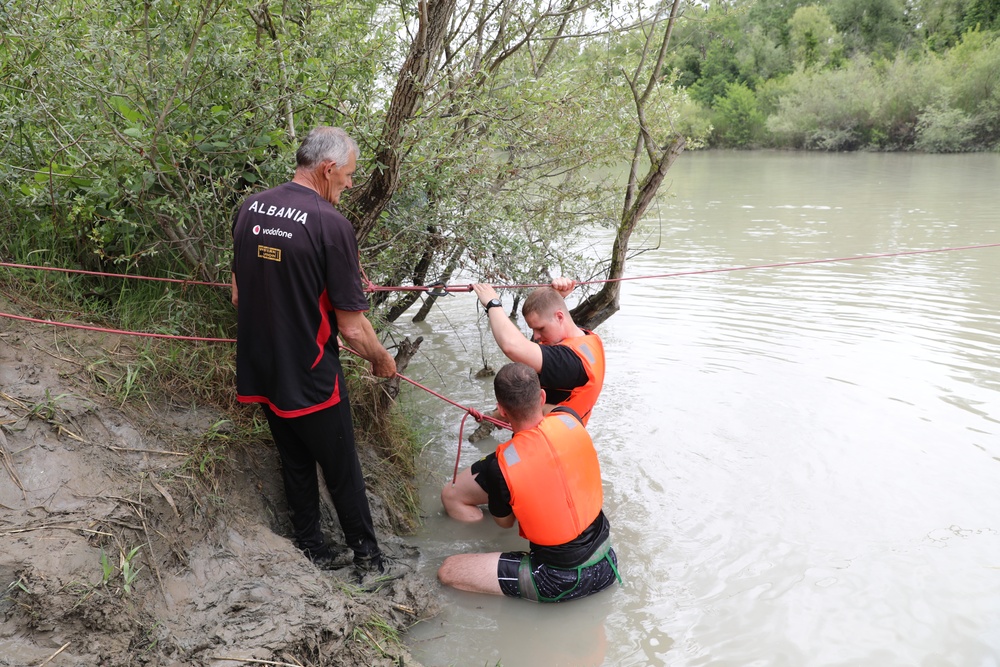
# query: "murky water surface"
801 464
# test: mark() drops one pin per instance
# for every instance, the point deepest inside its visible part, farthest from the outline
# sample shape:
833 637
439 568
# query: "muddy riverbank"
152 537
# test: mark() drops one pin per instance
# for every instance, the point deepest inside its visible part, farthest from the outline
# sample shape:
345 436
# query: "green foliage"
812 36
107 569
737 119
982 15
942 129
761 59
756 42
878 104
829 110
972 70
128 568
872 27
719 69
513 164
942 21
905 88
131 146
773 17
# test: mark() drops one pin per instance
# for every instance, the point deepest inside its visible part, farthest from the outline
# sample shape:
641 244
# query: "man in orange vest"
546 478
569 360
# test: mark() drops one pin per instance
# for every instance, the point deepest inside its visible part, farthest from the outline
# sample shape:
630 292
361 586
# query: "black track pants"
327 438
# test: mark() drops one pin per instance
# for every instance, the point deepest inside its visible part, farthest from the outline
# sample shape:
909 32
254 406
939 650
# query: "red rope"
468 288
183 281
86 327
372 287
784 264
478 416
458 455
369 286
472 411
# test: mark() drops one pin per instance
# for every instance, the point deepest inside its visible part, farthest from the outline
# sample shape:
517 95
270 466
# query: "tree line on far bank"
840 75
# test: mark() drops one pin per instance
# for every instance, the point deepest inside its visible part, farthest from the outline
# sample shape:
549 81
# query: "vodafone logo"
256 230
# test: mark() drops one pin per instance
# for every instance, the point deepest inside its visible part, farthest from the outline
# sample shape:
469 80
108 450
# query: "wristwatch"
493 303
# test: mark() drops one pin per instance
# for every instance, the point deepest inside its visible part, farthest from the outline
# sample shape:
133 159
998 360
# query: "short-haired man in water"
568 360
546 478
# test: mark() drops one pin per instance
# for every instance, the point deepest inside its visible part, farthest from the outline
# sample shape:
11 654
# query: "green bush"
131 131
906 87
973 71
828 110
737 120
942 129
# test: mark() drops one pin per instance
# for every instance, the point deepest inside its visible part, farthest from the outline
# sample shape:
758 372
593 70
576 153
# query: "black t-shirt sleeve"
236 219
562 371
343 272
490 478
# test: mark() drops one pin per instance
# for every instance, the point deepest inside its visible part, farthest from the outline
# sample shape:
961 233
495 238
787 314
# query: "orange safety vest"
554 479
590 349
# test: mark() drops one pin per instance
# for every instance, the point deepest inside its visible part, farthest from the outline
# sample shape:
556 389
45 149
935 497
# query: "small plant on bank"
372 631
128 569
46 409
107 569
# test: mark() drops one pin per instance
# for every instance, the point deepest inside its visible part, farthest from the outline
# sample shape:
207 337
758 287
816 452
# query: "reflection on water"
802 465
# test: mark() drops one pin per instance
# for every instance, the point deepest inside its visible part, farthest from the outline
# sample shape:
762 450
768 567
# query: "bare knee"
446 573
457 506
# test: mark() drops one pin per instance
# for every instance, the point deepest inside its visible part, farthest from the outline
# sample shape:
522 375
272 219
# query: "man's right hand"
563 285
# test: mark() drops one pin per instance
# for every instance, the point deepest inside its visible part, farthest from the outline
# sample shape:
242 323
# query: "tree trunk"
597 308
390 389
418 277
367 203
431 298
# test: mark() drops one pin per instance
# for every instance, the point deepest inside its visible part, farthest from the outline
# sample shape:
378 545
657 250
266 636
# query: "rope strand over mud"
121 332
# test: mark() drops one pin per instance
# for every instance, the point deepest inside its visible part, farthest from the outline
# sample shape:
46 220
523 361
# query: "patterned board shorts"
544 583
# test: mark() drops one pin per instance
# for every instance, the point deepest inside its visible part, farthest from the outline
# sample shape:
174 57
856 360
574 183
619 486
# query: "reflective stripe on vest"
554 479
590 349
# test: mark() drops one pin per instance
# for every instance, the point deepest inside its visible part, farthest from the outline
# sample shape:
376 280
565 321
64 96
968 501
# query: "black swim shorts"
543 583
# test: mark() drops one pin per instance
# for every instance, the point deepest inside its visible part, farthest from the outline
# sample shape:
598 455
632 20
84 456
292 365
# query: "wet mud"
116 549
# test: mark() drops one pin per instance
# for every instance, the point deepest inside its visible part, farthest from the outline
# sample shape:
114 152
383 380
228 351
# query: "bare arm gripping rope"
476 414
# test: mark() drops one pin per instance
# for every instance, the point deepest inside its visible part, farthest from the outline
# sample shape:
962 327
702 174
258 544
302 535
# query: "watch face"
494 303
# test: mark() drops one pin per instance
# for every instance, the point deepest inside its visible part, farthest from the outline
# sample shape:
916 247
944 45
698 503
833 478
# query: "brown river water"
801 464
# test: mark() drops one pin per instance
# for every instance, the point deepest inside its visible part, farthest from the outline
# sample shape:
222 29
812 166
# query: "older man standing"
296 284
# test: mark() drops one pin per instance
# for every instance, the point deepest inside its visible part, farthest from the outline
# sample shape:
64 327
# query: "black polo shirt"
295 259
562 372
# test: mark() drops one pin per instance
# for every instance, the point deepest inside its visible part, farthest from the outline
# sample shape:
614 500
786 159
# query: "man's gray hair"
326 143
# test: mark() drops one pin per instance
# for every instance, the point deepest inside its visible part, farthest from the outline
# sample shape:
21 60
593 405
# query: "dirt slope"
116 550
